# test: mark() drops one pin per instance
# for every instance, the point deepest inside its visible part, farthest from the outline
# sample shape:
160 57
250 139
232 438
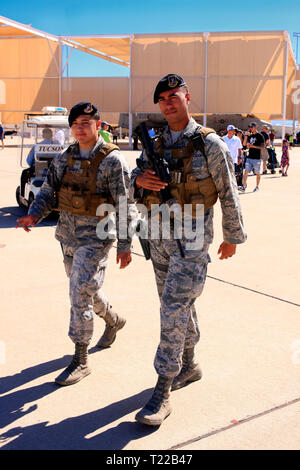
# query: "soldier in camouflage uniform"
180 279
86 163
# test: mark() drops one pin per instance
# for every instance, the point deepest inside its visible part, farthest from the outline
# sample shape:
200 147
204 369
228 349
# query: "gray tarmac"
249 316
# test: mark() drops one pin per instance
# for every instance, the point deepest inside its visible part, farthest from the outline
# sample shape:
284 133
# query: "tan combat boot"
77 369
158 407
114 323
190 371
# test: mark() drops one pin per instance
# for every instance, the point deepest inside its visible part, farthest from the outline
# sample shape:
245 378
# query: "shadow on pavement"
72 433
12 404
31 373
9 216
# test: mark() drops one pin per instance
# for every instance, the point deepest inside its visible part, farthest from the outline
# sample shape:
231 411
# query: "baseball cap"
83 107
230 127
168 82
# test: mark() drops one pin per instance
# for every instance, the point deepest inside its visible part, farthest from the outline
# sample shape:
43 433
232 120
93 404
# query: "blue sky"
156 16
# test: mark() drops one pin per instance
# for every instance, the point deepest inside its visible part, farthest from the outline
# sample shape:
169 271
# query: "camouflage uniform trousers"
85 266
179 282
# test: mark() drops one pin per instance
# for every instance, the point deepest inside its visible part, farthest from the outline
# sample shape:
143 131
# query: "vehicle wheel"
18 191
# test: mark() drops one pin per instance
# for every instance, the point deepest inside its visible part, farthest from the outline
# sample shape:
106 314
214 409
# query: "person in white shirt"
60 136
235 147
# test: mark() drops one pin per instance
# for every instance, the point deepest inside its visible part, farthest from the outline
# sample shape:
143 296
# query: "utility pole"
297 36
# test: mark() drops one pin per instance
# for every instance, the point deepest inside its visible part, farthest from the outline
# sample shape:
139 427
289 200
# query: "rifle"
143 242
55 183
160 166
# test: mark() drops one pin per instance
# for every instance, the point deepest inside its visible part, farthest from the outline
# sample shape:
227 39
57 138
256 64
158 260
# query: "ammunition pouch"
150 199
192 192
188 190
81 203
195 192
77 193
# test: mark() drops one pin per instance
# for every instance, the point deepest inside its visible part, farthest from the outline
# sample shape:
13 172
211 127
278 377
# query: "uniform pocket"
178 192
199 276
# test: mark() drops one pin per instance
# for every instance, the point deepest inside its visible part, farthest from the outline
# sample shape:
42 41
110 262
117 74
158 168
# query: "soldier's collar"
189 131
75 150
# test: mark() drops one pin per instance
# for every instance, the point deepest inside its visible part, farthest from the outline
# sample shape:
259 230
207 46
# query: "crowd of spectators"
253 151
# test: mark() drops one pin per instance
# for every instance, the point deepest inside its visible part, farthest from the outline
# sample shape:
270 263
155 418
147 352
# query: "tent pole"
130 98
205 81
59 72
285 84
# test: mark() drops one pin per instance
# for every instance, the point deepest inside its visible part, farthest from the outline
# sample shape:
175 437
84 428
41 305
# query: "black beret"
81 108
168 82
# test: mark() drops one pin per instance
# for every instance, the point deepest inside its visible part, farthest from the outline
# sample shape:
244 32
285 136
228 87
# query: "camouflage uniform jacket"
219 165
113 175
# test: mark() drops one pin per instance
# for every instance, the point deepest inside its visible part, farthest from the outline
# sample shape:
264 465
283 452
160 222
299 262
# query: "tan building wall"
28 73
154 56
245 70
245 73
293 95
29 80
241 72
110 94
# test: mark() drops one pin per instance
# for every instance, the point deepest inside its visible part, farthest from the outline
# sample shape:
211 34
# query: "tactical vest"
77 194
184 185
